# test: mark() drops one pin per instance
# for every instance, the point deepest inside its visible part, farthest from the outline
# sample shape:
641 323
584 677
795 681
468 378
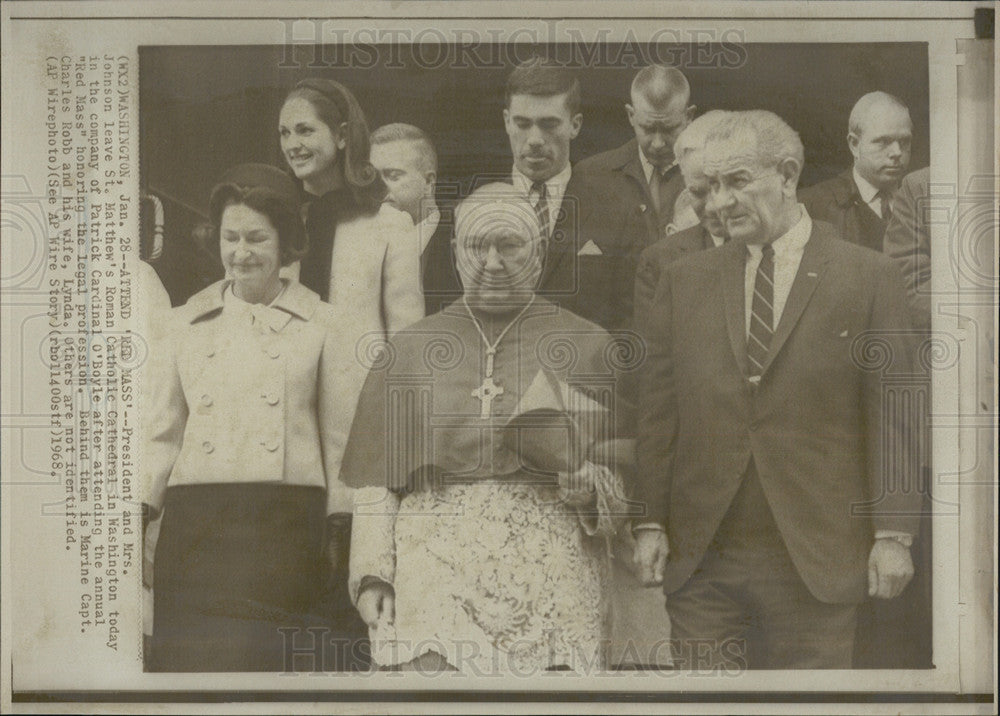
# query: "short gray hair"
692 138
400 132
773 139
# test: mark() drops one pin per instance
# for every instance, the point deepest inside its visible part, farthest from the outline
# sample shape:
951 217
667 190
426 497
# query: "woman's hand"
579 488
377 603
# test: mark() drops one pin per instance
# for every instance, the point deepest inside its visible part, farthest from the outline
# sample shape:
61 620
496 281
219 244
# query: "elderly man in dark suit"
858 201
643 170
593 240
765 452
405 158
708 233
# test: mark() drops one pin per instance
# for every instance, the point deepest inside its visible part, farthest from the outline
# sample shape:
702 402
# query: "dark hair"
543 77
283 214
335 105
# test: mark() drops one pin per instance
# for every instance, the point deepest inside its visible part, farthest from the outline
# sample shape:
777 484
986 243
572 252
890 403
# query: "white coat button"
272 351
271 445
271 398
207 446
206 400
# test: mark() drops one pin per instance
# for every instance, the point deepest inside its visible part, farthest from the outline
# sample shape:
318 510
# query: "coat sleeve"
402 293
335 412
891 404
165 414
373 540
647 275
657 409
907 242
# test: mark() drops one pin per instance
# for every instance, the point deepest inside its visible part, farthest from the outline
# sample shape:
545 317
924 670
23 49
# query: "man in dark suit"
708 233
404 156
593 239
908 241
643 171
766 457
858 201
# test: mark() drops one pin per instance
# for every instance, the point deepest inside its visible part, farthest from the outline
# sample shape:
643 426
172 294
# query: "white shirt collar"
427 227
229 296
865 188
647 167
792 241
555 186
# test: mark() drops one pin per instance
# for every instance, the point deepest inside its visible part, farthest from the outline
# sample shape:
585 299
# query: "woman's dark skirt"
242 583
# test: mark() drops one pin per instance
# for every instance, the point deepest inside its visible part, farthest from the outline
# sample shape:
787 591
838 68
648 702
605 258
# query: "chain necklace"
489 390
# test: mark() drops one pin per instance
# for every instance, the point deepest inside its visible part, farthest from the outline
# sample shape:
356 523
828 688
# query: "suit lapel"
810 273
670 189
565 233
633 169
733 281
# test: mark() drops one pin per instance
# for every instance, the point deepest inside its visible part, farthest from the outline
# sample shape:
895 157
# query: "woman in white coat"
238 456
363 255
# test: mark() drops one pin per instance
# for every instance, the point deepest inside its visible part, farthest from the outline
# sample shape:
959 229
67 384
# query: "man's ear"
575 123
852 143
506 118
630 112
689 113
341 138
789 169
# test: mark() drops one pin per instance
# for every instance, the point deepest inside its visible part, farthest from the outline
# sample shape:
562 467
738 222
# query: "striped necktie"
541 207
762 313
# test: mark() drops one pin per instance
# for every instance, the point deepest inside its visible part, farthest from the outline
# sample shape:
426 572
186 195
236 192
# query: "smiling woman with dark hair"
239 445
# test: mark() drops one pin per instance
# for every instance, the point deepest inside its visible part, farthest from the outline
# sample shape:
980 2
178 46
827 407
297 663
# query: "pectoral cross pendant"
486 393
488 390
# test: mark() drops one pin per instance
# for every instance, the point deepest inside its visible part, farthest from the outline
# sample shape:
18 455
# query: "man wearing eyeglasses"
767 457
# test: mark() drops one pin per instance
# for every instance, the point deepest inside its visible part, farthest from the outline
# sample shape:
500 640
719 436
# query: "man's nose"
493 261
717 199
895 150
657 141
535 136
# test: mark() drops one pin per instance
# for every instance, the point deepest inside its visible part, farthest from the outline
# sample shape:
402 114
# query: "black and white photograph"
509 358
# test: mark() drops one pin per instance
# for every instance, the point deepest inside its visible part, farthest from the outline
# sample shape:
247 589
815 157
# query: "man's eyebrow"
525 118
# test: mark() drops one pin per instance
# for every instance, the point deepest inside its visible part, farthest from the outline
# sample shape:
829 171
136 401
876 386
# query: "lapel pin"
642 208
812 274
843 334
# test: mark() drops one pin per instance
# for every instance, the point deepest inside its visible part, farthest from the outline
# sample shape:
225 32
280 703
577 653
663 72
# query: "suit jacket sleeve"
402 293
907 242
890 409
647 276
657 407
